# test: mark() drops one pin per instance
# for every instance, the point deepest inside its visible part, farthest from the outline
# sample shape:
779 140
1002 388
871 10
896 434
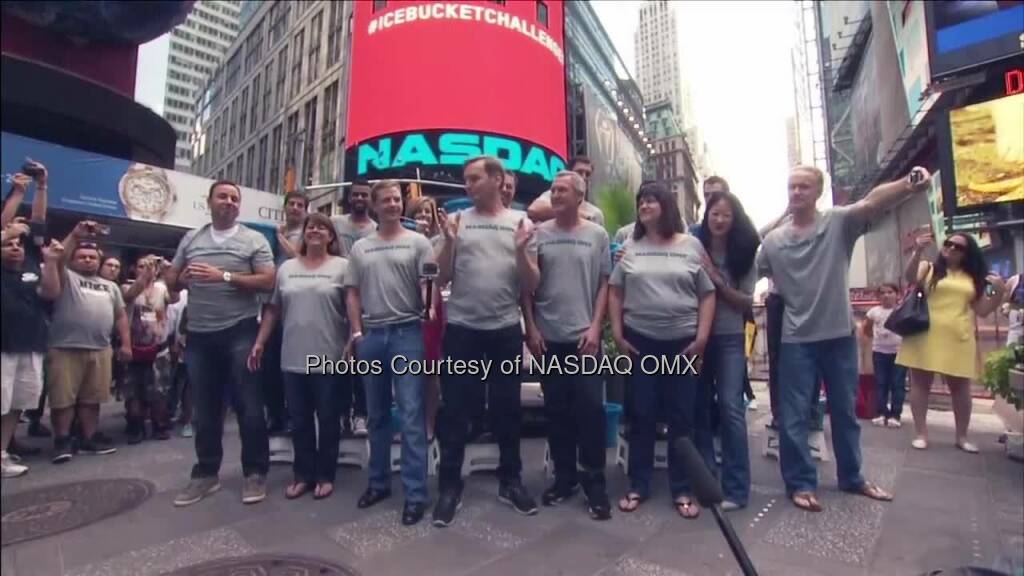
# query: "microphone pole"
709 494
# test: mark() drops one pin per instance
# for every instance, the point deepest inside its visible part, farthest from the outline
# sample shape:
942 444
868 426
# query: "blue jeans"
723 369
836 361
677 394
315 423
383 343
216 363
890 380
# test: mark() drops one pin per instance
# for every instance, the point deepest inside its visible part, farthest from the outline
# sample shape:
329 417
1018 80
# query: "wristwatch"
146 193
227 277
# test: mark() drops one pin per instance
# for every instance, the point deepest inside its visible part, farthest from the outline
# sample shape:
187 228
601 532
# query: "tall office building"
186 58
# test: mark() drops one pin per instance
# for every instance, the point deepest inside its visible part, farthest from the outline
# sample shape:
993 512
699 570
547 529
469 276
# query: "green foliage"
996 375
618 203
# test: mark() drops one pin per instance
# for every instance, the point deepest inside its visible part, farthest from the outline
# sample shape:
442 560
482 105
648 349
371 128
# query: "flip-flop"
321 495
684 504
806 501
631 498
874 492
290 492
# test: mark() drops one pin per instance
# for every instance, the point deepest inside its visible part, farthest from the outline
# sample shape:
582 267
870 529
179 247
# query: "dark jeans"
774 308
676 394
273 381
316 426
215 361
890 380
574 407
462 400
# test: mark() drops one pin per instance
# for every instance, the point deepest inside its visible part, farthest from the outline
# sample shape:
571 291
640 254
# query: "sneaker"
197 489
254 489
187 431
894 423
160 434
61 450
39 430
136 435
730 506
515 495
16 450
880 421
10 468
558 492
94 448
447 505
102 439
359 427
412 513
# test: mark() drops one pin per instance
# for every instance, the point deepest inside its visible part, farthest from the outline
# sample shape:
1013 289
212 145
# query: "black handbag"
911 316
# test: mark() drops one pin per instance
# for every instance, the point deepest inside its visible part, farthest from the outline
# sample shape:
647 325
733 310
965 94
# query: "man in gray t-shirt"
356 222
564 317
486 256
386 300
541 210
809 260
224 265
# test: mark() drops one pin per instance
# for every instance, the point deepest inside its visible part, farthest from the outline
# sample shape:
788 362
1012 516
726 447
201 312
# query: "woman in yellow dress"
955 286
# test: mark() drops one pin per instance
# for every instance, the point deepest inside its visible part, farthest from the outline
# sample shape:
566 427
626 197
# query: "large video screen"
988 151
965 33
434 81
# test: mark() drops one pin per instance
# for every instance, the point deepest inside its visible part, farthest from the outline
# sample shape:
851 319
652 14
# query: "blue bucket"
612 414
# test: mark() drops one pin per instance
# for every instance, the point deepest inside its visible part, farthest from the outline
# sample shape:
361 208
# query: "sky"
151 73
736 58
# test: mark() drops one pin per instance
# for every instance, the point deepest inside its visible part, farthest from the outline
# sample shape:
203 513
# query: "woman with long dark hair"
955 286
661 304
309 301
731 242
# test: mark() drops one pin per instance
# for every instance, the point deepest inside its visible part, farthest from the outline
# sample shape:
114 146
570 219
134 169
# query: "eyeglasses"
954 246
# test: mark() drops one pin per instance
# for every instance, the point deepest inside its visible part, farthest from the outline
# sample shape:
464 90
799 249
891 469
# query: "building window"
268 89
297 56
275 160
290 135
254 47
232 124
327 134
334 34
261 165
255 104
243 114
278 21
250 166
379 5
282 75
542 13
314 46
234 69
309 142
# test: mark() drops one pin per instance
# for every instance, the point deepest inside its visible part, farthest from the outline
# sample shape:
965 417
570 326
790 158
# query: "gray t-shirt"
485 284
293 236
387 273
729 320
218 305
811 273
572 264
349 233
83 316
663 286
625 233
312 307
589 211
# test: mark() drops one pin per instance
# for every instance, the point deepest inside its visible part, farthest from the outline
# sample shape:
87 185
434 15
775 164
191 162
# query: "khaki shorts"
77 377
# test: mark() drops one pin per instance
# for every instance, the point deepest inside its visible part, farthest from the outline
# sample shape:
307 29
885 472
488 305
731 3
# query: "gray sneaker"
197 489
254 489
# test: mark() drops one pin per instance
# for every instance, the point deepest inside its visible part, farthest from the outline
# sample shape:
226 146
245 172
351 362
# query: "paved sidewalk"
951 509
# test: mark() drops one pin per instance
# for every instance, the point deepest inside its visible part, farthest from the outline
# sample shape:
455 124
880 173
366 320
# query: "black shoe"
559 492
371 497
160 434
18 449
61 450
597 503
136 435
91 447
412 513
447 505
515 495
39 430
103 440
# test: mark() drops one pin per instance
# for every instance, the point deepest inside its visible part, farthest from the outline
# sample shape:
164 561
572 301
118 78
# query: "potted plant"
996 374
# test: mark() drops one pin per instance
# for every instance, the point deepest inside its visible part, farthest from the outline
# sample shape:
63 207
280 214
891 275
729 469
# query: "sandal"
687 508
296 490
323 490
874 492
632 502
807 501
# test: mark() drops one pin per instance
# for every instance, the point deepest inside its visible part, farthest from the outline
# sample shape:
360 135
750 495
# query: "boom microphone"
709 494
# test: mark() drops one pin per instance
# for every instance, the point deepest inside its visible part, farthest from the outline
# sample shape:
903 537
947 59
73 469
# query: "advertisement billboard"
107 187
910 33
616 160
987 142
434 83
963 34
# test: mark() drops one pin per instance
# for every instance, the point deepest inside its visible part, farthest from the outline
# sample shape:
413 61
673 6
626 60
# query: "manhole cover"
54 509
266 565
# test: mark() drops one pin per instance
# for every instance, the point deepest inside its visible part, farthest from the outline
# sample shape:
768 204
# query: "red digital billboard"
432 83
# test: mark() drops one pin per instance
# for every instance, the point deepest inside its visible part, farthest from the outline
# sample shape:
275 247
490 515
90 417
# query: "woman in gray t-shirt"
309 301
731 242
661 304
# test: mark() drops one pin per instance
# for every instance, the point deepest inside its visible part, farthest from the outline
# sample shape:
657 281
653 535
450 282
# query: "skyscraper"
185 58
